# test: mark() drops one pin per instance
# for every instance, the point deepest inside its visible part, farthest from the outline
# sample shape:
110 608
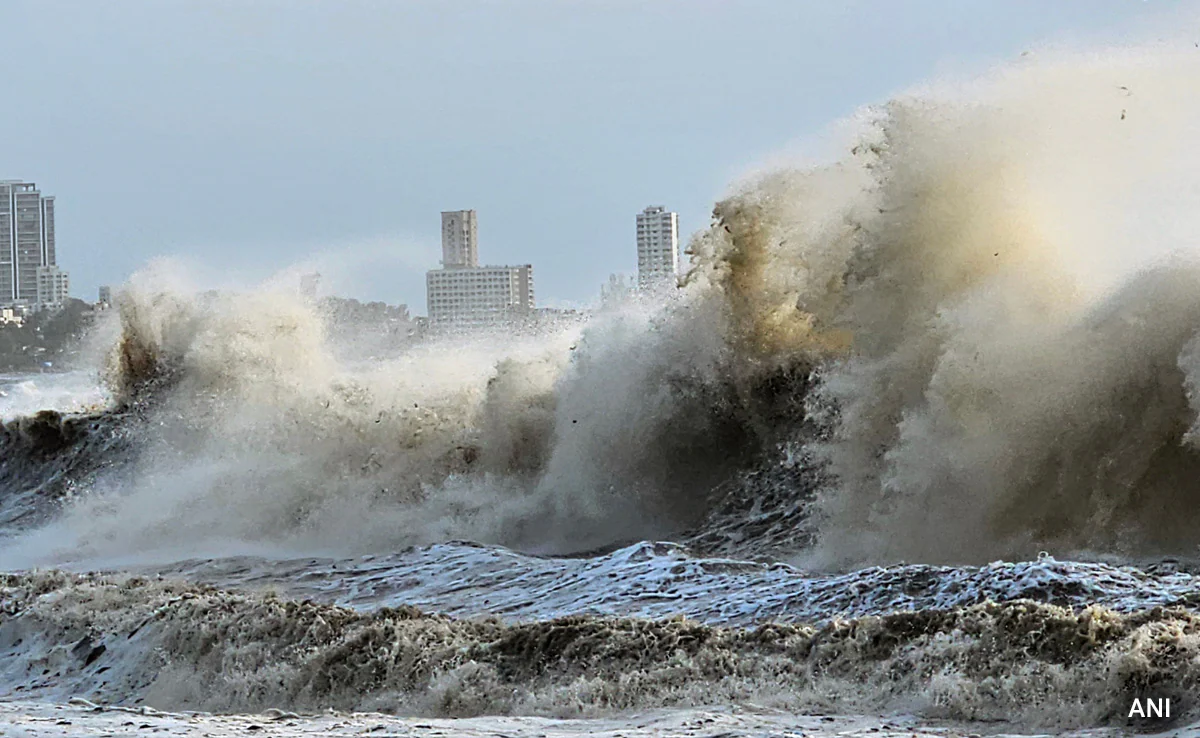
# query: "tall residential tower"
26 242
658 246
460 239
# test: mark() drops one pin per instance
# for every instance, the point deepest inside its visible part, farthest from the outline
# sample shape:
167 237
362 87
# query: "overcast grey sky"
249 135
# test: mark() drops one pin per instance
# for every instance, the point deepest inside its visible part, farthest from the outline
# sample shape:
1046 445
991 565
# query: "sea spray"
971 337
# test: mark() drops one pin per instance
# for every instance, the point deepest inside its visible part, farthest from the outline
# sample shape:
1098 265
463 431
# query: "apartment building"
658 247
53 288
460 239
476 296
464 294
27 243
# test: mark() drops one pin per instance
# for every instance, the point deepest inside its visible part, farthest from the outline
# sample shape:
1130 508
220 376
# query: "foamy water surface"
911 384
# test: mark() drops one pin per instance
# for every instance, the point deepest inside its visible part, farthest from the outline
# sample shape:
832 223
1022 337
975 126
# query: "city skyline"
29 273
338 154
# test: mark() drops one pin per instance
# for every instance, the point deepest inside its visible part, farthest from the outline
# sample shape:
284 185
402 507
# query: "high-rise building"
464 294
460 239
658 246
104 296
26 241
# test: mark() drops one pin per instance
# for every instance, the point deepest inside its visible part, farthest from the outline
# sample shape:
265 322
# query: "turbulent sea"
915 440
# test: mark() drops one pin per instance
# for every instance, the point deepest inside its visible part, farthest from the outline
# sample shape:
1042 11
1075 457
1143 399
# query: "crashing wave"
972 337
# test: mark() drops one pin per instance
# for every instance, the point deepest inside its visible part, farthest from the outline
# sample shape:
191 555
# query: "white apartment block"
26 240
658 247
479 296
53 288
464 294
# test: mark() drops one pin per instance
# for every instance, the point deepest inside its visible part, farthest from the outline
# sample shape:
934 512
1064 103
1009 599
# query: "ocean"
912 449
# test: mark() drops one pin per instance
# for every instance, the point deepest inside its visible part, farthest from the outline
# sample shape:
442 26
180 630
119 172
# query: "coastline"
46 720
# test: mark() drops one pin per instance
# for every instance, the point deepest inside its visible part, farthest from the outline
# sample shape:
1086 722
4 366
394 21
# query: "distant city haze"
248 137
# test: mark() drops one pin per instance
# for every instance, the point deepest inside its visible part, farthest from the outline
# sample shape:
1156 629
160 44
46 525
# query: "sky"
252 136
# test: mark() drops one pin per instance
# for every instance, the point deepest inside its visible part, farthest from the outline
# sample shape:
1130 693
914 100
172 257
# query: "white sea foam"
68 392
177 646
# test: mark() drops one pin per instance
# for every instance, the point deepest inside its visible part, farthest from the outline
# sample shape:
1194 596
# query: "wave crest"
971 337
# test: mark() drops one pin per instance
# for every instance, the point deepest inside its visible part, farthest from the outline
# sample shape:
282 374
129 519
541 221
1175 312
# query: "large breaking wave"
974 335
971 337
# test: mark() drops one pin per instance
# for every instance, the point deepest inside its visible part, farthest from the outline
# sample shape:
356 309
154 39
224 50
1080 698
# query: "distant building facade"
658 246
618 289
27 241
460 239
464 294
309 284
479 296
53 288
104 296
27 245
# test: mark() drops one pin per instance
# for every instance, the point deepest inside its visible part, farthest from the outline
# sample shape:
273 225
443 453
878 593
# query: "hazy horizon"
250 137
